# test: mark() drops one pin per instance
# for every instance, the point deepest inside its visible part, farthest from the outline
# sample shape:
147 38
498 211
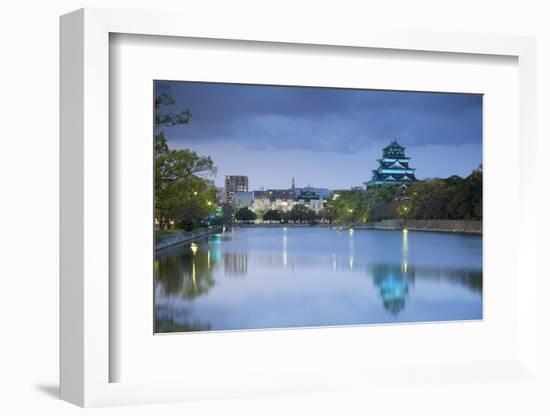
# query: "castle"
393 168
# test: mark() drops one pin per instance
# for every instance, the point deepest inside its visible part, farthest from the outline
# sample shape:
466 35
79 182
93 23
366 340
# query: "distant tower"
293 184
394 168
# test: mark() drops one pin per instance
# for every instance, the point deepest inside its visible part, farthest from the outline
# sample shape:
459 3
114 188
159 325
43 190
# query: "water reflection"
339 278
393 283
235 263
405 251
351 249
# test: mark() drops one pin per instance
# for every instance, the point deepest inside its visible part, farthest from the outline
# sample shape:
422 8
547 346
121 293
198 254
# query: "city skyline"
324 137
291 186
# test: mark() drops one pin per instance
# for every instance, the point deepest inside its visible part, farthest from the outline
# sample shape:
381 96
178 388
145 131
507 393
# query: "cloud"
322 119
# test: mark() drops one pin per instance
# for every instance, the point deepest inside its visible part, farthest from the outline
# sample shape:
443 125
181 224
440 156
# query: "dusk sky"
324 137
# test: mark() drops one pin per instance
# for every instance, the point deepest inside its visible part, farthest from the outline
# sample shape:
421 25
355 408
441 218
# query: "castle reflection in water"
187 273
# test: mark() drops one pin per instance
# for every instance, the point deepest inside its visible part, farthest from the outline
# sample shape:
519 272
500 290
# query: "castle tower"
393 168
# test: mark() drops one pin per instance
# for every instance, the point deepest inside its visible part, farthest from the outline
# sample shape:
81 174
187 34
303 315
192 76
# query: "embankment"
165 241
447 226
444 226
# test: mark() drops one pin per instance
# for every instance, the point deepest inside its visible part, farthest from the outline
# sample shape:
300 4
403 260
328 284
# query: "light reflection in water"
285 248
351 248
377 271
194 249
405 251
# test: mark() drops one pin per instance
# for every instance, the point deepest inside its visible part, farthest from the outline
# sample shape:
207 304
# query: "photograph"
279 207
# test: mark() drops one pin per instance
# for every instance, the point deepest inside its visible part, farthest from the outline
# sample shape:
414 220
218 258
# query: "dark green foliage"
429 199
228 214
346 207
245 215
300 214
451 198
466 201
272 215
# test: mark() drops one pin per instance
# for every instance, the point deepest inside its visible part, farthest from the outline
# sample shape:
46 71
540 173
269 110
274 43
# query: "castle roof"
394 145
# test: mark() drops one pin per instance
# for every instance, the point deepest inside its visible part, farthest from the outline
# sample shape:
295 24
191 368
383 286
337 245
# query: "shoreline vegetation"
169 238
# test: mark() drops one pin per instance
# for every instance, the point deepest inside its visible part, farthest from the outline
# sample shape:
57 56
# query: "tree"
182 194
429 200
272 215
228 213
163 117
466 199
225 215
185 202
175 165
327 215
451 198
245 214
360 206
300 213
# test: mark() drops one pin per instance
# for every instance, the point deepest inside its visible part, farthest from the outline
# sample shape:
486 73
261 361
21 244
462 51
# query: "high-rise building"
394 167
235 183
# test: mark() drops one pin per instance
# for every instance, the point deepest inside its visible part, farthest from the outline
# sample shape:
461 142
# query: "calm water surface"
252 278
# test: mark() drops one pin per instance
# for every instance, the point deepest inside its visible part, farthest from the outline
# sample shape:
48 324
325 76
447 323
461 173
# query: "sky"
323 137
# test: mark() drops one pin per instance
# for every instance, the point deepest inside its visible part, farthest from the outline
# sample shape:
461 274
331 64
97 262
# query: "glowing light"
209 203
195 193
351 231
194 248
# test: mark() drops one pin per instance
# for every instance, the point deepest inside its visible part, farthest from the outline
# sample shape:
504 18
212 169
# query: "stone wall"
183 237
454 226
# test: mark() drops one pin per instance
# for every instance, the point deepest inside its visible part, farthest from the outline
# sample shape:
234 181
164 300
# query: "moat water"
254 278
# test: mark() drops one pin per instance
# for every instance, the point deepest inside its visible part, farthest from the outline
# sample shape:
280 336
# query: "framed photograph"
275 212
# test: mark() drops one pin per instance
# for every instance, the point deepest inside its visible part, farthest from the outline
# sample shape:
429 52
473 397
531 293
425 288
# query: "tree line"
453 198
298 214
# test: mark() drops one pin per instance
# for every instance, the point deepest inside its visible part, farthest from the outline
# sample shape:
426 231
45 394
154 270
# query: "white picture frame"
85 211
